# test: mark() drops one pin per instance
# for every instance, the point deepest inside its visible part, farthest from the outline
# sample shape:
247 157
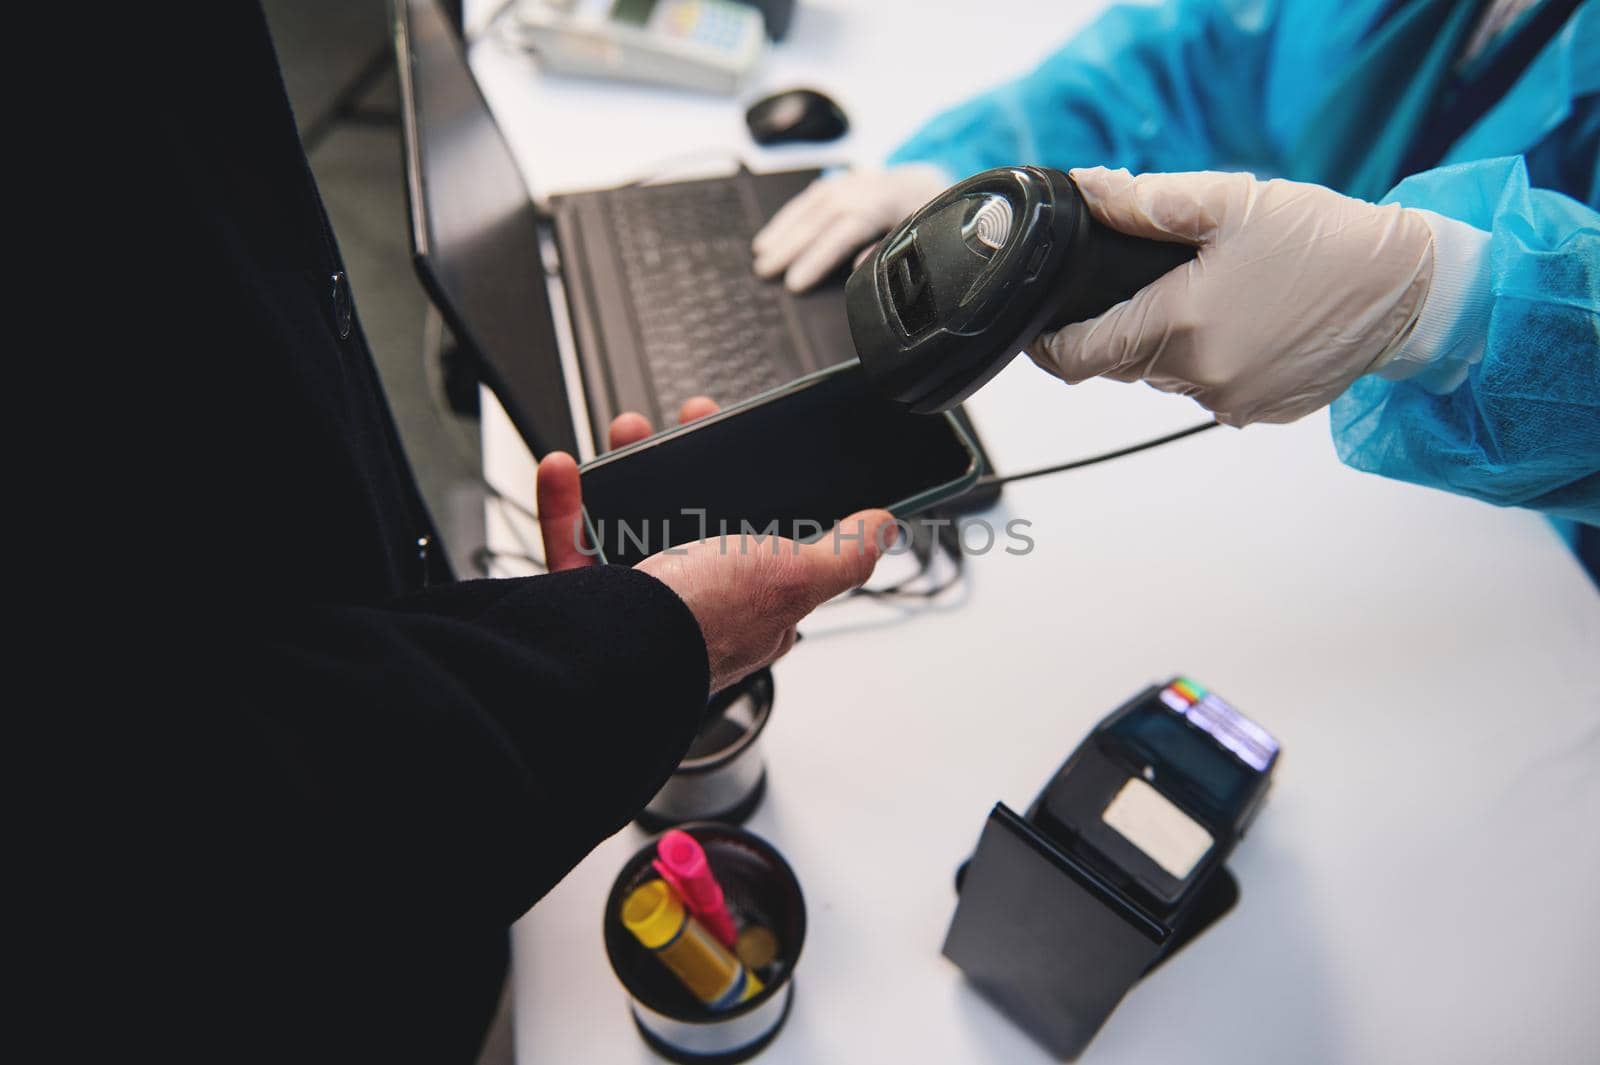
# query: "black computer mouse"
795 115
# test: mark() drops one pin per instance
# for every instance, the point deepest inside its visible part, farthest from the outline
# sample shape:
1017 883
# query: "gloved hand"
834 216
1295 293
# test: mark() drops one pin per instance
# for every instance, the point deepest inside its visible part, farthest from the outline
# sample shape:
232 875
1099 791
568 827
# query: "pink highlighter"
682 864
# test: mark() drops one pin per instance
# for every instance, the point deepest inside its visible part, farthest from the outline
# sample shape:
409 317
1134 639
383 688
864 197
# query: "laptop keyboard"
708 325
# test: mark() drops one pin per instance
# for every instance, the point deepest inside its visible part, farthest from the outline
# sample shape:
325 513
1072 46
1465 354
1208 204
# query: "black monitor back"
474 228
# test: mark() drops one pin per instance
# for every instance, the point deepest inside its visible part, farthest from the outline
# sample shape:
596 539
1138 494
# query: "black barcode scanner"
957 290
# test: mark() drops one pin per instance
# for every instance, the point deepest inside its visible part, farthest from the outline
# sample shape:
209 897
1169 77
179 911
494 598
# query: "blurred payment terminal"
709 45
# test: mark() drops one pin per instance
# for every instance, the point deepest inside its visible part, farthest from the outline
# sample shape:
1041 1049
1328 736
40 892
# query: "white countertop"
1422 883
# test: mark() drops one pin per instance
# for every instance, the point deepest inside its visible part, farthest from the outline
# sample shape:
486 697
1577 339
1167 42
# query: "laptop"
650 283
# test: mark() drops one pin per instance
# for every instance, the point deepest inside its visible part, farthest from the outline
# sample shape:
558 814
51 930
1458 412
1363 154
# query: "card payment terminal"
1115 866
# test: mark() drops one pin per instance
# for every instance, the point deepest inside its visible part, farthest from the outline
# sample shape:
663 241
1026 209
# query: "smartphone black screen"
797 462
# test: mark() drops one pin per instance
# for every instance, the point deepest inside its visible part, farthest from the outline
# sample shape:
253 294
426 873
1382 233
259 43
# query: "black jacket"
366 780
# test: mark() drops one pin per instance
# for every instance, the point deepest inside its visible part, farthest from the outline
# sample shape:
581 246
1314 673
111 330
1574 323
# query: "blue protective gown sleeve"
1174 87
1523 427
1236 84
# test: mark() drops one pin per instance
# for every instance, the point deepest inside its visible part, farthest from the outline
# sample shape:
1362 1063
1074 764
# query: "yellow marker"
658 919
756 946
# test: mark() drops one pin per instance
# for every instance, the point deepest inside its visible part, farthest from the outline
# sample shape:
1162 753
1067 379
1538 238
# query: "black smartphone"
790 462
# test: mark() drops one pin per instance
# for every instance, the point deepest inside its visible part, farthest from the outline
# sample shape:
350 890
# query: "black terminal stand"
1060 913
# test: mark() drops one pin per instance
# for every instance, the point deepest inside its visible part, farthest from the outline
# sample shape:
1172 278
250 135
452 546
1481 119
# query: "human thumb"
845 557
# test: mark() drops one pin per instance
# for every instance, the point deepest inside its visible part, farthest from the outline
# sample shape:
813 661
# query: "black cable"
992 479
508 500
946 541
484 557
947 537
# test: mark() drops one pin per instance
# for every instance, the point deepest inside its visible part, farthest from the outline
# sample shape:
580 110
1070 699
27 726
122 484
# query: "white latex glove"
834 216
1295 293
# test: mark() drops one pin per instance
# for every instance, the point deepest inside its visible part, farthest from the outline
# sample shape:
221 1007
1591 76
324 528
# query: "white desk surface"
1422 885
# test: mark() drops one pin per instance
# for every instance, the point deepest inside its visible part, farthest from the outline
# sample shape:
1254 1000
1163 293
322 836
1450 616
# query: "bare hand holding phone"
747 600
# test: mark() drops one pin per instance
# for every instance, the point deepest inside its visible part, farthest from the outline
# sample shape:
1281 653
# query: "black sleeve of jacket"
453 753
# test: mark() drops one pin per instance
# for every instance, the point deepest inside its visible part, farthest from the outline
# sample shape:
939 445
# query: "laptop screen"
474 229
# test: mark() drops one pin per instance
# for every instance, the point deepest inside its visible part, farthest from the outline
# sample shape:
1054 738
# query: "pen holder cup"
761 891
723 777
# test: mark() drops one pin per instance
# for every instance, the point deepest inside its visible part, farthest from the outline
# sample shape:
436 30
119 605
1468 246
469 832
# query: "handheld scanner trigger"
959 288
